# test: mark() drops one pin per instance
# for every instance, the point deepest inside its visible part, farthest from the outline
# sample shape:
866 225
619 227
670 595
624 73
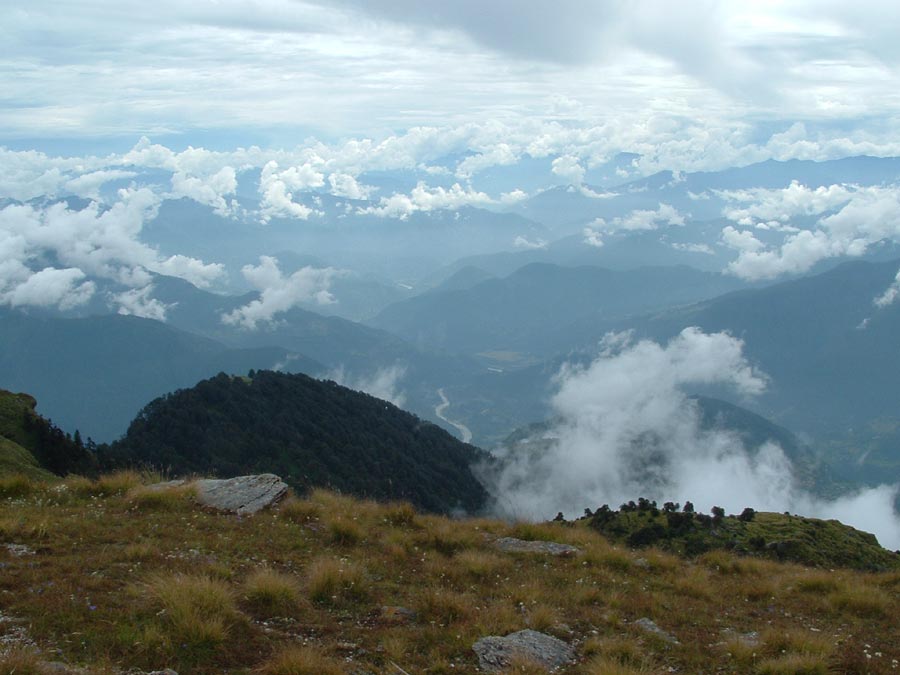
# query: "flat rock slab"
496 653
242 495
511 545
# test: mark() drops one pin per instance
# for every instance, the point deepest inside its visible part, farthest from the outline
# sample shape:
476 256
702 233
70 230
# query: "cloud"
890 295
627 428
852 219
592 237
692 248
521 242
569 169
138 302
67 245
48 287
425 198
274 185
641 219
210 190
345 185
280 293
384 383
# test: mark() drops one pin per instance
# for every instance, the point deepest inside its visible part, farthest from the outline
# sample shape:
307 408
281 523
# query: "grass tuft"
793 664
331 581
269 592
301 660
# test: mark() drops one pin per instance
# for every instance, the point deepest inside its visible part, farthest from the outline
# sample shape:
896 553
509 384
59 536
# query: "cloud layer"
627 428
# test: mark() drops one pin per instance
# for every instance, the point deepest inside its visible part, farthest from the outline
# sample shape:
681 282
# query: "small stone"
397 615
496 653
19 550
649 626
512 545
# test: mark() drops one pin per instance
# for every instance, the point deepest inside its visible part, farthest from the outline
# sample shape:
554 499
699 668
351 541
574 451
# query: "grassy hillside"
310 432
111 576
32 445
809 541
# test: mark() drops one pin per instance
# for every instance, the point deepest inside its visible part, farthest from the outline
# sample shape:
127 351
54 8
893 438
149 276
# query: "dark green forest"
312 433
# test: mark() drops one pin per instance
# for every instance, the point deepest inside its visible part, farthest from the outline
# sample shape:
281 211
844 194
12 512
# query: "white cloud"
274 185
48 287
138 302
890 295
852 219
384 383
569 169
641 219
513 197
693 248
628 428
592 237
280 293
210 190
99 241
345 185
89 184
425 198
525 243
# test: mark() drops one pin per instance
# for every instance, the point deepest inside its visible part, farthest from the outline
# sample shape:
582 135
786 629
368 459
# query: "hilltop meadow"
110 576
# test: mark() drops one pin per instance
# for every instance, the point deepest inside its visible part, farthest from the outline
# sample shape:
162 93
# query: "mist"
627 428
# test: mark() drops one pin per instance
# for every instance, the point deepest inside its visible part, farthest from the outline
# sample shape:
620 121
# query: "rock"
650 627
511 545
242 495
397 615
496 653
19 550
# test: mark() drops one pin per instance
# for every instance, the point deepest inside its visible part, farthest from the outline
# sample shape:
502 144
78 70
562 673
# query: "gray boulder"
512 545
649 626
496 653
242 495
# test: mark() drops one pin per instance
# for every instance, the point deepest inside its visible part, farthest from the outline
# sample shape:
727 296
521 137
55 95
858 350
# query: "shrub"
16 485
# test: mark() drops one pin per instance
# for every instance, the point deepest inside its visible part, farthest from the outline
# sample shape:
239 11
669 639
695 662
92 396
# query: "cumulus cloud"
641 219
345 185
98 241
210 190
568 168
280 293
425 198
851 220
592 237
628 428
48 287
384 383
275 187
139 302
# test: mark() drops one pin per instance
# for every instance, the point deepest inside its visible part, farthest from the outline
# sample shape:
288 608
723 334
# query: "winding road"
439 411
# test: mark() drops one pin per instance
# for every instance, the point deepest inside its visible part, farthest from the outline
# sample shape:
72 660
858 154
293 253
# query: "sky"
695 83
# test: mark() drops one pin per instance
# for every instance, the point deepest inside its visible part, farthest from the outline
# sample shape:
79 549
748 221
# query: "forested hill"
311 433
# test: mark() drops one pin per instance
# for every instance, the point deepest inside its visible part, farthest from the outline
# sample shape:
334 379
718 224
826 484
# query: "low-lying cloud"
850 220
628 428
279 293
384 383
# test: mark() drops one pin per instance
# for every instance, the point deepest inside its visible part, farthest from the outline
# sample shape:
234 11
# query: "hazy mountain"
95 373
311 433
529 312
830 352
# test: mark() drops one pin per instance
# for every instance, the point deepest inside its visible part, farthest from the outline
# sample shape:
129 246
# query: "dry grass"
336 581
123 578
301 660
269 592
